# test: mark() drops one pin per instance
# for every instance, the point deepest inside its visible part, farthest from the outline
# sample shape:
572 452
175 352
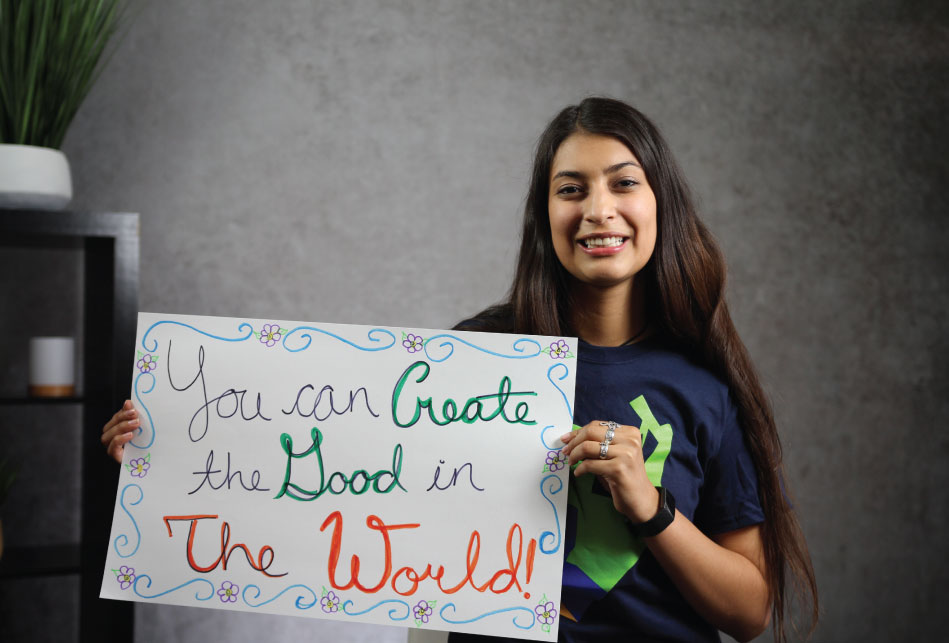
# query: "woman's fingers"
621 468
606 469
617 456
124 413
590 432
588 449
119 430
117 446
595 432
121 426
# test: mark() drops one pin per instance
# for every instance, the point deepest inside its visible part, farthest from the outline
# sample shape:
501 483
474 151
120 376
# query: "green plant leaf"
51 52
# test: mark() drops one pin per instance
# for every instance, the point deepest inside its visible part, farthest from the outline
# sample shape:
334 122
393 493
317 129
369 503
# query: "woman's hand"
723 577
622 470
120 430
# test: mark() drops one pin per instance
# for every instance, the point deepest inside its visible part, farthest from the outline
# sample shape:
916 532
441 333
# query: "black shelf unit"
39 401
110 241
46 560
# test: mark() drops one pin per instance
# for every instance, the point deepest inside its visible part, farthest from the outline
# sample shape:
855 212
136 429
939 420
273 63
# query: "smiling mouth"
602 242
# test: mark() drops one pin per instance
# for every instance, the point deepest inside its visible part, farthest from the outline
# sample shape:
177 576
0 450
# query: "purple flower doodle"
139 466
228 592
330 602
125 576
412 343
559 349
422 611
556 460
270 334
546 612
147 363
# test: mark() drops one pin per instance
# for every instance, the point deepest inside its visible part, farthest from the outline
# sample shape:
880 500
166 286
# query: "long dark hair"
684 299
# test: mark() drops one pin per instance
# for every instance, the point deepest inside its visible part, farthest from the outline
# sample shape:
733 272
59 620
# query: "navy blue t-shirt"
694 447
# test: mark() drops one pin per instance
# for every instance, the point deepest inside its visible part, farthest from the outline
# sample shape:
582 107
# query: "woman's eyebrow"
573 174
620 166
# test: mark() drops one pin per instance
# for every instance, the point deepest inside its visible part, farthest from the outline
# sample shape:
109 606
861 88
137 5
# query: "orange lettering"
373 522
226 548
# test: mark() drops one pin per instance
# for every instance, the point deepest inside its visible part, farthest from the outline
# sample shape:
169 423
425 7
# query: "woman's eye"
627 183
568 190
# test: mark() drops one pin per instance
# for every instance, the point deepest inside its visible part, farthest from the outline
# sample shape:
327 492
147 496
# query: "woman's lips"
602 246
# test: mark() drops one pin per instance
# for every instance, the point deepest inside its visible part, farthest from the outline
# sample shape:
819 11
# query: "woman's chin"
603 281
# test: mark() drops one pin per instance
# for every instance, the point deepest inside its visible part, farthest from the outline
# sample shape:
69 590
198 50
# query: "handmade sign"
383 475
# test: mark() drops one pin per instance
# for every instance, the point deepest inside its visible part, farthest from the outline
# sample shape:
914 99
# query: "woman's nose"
601 206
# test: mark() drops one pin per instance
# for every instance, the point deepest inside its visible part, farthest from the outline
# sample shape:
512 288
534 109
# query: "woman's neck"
608 316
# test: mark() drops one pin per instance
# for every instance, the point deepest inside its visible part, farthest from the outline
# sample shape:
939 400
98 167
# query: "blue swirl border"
545 536
148 584
298 603
151 422
441 614
122 537
372 336
517 347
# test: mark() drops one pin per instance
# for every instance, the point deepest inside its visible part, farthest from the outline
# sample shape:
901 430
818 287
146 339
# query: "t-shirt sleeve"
728 499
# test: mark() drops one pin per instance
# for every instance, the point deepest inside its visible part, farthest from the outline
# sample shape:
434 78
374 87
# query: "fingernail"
566 437
133 422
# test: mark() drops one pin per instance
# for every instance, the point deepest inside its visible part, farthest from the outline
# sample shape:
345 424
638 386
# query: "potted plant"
7 476
50 55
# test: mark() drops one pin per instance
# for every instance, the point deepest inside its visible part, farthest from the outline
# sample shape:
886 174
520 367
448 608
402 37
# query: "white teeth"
603 242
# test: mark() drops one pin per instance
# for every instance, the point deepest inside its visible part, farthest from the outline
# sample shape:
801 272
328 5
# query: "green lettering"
472 411
296 492
398 391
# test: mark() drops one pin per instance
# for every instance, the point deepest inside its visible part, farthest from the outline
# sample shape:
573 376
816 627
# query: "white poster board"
381 475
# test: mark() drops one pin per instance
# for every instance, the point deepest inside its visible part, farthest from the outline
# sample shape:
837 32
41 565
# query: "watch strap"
662 519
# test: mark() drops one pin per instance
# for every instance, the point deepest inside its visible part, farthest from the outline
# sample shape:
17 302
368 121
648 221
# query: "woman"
677 525
677 522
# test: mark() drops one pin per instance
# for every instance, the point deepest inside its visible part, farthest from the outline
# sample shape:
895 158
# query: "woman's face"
602 210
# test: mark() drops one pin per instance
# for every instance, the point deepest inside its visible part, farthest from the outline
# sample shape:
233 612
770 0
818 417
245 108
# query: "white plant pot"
34 178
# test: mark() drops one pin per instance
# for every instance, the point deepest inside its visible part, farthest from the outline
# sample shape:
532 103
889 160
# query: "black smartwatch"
662 519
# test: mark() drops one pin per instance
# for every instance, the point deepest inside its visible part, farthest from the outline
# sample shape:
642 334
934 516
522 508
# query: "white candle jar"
52 367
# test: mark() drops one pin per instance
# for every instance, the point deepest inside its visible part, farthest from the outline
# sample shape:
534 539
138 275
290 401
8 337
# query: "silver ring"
611 427
603 447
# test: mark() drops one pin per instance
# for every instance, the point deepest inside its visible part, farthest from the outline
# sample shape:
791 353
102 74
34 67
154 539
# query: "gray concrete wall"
366 162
